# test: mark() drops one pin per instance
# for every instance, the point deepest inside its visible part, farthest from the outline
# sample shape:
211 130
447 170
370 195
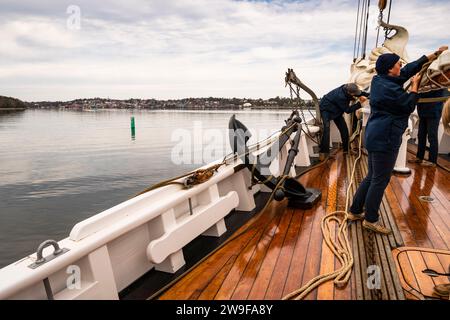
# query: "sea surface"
58 167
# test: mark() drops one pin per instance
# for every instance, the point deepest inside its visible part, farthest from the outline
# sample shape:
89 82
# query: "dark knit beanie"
385 62
352 89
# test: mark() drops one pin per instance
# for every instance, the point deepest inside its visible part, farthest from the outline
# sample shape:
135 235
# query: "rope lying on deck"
341 249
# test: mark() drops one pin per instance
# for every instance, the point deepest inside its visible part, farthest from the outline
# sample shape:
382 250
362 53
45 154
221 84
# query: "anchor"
283 186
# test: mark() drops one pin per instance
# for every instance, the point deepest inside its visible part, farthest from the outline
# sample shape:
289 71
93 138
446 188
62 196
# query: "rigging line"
363 24
365 33
304 106
360 27
380 18
307 132
356 31
389 12
297 93
386 32
309 110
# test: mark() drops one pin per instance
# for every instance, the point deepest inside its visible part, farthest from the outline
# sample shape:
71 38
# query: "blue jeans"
370 191
428 126
343 130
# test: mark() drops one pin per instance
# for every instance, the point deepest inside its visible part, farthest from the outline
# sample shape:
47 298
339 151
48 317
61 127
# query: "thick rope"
341 249
356 32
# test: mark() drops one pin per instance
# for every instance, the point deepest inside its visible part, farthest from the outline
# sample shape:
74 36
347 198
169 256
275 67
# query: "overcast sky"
178 48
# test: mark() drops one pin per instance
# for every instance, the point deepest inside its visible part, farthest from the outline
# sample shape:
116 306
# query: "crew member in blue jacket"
332 107
430 116
390 107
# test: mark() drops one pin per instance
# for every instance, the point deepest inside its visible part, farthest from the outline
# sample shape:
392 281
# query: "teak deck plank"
433 262
275 287
282 249
300 253
359 242
327 260
418 259
391 286
407 276
257 288
432 213
312 265
231 282
430 227
210 291
343 293
260 266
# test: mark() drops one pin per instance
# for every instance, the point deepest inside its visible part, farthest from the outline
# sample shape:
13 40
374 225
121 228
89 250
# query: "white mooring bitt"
400 164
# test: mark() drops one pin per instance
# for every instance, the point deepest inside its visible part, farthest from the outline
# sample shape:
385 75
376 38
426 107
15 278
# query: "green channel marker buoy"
133 129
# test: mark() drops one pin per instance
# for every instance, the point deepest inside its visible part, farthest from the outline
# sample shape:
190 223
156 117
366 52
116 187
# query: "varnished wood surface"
411 261
281 249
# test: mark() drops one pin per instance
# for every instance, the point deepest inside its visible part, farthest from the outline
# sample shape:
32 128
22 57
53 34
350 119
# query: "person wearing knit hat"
332 107
390 108
385 62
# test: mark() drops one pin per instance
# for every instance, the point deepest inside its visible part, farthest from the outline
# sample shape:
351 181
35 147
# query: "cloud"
174 49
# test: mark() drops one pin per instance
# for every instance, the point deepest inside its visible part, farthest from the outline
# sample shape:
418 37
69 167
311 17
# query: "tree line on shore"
210 103
12 103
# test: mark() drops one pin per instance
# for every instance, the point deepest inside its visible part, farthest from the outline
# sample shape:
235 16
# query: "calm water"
60 167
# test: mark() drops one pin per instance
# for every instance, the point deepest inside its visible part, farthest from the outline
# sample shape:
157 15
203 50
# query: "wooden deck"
412 261
281 249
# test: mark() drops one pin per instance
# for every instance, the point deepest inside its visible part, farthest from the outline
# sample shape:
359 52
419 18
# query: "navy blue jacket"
431 109
390 108
335 103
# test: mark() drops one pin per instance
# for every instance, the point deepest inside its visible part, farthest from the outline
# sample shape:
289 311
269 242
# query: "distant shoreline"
159 109
277 103
12 109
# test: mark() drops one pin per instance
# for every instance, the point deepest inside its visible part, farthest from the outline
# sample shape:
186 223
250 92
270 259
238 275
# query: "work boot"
428 164
355 217
376 227
442 290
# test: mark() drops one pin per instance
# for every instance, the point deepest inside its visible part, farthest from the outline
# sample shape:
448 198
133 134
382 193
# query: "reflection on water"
60 167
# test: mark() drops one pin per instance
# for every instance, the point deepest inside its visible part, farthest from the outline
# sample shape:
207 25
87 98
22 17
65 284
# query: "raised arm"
437 53
413 67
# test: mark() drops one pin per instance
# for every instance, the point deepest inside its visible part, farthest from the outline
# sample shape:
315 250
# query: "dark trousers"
428 127
370 191
343 130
